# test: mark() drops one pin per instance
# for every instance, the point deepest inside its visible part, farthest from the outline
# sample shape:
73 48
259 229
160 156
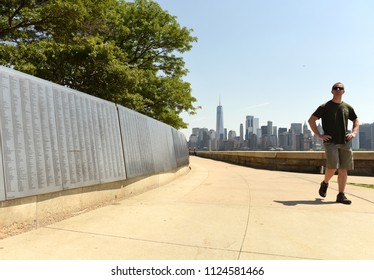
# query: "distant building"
366 136
219 123
296 128
249 129
241 132
231 135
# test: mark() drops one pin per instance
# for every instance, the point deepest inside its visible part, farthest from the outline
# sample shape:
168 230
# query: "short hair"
338 83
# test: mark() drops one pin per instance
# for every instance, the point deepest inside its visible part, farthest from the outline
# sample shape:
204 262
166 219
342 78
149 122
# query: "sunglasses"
338 88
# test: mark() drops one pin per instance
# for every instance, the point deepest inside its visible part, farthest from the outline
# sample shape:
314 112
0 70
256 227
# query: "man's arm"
312 123
356 125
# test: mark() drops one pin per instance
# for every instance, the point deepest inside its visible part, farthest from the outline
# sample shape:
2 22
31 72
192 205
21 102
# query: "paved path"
216 211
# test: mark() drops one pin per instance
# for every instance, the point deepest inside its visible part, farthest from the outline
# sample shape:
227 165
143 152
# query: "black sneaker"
323 189
341 198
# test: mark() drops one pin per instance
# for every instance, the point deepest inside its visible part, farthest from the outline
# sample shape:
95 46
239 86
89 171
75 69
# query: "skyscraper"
241 132
249 127
256 124
219 124
296 128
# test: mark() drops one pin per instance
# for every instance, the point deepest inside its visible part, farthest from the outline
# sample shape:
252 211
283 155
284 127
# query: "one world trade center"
219 129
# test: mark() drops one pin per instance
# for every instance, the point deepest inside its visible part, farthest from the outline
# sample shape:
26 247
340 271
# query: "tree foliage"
125 52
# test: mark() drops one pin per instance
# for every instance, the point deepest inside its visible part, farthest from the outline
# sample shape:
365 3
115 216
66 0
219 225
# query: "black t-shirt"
335 118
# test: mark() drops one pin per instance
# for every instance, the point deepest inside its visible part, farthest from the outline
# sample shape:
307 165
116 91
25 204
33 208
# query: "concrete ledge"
305 162
28 213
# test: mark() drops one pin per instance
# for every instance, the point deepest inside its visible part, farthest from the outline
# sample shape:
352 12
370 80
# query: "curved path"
216 211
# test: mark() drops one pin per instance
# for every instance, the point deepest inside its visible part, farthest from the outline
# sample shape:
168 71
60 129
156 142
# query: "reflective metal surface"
149 145
54 138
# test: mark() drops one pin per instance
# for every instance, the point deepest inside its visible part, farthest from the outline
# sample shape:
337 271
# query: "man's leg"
346 160
325 183
342 179
328 174
332 163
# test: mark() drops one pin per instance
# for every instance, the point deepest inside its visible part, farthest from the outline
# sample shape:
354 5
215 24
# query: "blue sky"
276 60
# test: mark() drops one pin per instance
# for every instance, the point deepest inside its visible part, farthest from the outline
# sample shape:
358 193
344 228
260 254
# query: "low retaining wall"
28 213
305 162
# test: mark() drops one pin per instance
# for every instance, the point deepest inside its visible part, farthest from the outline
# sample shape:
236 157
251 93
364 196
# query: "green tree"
125 52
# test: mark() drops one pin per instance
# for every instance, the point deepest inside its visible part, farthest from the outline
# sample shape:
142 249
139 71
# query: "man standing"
335 115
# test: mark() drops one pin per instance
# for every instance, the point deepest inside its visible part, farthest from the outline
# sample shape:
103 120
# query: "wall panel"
136 140
2 183
30 158
108 137
89 139
149 145
162 146
180 148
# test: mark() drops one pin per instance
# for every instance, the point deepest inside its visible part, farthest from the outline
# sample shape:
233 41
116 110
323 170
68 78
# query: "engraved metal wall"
28 132
162 146
2 183
55 138
149 145
89 139
180 148
136 143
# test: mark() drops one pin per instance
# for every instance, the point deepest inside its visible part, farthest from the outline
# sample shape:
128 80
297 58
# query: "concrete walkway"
216 211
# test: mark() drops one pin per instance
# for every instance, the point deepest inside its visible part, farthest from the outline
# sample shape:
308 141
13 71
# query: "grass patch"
369 186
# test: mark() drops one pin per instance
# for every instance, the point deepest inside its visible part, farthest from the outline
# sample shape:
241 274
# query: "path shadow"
317 201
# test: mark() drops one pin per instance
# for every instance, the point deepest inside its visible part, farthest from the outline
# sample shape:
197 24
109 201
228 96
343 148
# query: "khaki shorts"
339 156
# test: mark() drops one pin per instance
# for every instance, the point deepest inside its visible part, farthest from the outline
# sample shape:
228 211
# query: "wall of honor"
54 138
147 143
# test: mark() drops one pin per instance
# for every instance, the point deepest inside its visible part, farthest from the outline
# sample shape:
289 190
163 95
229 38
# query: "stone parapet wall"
305 162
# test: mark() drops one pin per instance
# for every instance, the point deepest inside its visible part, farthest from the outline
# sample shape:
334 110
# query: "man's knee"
342 171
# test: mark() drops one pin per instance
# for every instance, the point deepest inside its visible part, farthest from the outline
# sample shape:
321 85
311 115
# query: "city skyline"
187 133
254 136
249 121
